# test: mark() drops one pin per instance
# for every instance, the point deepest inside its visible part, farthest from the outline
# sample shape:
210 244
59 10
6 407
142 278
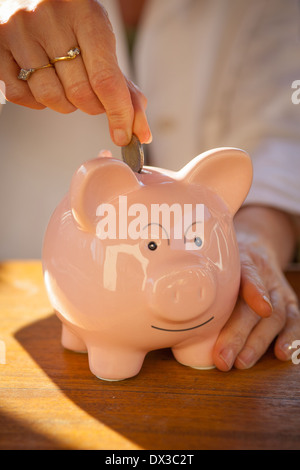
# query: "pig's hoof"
109 380
203 367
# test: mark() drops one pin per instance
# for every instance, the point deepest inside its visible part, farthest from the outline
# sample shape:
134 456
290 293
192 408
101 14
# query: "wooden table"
50 400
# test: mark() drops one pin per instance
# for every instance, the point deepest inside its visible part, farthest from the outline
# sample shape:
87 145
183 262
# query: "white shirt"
215 72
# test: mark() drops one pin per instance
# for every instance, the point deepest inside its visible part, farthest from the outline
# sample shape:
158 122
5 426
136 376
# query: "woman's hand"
267 306
93 82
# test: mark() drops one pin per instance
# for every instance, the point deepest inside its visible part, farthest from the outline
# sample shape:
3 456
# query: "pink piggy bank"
140 261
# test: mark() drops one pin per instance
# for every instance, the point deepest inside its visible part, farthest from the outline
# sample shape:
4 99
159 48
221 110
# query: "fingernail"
227 356
266 299
247 357
121 137
287 350
149 140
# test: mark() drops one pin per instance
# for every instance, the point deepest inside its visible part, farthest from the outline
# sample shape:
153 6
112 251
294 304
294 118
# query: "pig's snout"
184 295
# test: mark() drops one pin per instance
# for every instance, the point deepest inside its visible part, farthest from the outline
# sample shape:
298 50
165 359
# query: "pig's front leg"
114 364
71 341
196 353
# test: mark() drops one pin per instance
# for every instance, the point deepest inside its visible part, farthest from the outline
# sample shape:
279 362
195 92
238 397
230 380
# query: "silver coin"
133 154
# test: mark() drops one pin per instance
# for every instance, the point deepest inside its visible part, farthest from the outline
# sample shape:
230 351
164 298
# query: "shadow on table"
169 406
141 409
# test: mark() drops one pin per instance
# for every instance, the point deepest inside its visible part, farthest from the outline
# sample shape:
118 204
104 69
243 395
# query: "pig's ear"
227 171
97 181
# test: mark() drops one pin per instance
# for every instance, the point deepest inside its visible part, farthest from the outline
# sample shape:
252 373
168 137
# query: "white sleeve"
264 115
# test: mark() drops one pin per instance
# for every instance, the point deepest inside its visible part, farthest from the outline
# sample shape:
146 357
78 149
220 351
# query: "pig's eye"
197 241
152 246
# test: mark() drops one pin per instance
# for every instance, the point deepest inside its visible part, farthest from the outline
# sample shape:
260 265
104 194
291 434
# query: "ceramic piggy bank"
140 261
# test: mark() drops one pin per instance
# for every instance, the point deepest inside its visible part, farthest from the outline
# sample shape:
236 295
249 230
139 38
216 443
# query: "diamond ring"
71 54
25 74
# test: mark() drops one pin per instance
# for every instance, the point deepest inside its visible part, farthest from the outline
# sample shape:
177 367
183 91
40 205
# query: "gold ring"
25 74
71 54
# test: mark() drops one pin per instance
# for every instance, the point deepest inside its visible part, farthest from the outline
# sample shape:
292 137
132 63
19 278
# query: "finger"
107 81
44 84
283 347
263 334
234 335
73 76
77 88
17 91
253 289
140 123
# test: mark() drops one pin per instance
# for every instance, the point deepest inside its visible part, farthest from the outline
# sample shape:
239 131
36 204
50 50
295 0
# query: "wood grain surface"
50 400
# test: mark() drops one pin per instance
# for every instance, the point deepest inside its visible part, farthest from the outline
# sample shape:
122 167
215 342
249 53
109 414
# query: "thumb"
253 289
